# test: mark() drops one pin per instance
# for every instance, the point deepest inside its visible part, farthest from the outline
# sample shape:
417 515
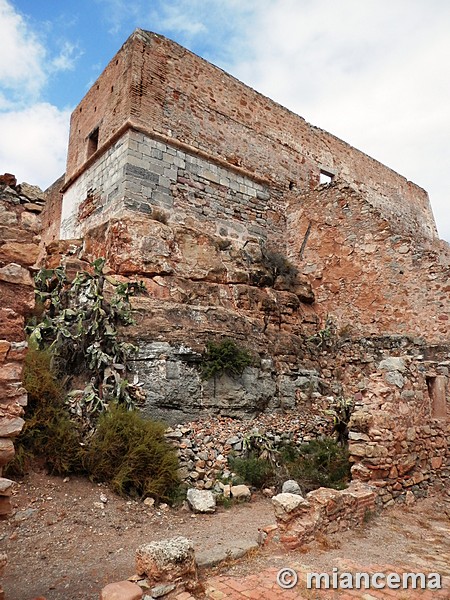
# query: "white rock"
201 501
240 492
392 363
285 504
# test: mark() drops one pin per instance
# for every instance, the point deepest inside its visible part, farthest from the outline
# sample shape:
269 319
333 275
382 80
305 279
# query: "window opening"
93 142
325 177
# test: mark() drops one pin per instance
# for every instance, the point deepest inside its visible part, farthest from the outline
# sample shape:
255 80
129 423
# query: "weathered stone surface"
168 561
19 253
32 192
6 451
240 492
122 590
227 551
6 486
287 506
8 179
392 364
14 273
201 501
11 371
160 590
10 426
291 487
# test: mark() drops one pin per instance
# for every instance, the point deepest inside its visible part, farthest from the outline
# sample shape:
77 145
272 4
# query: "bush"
48 433
319 463
278 266
131 454
79 323
253 470
224 357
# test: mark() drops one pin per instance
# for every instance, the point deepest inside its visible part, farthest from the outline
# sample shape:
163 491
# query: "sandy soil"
64 543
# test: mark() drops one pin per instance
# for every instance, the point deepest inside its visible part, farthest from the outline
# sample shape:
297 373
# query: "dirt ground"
63 542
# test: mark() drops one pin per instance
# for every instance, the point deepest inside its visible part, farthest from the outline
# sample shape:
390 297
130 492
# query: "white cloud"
67 58
372 73
22 55
33 140
33 143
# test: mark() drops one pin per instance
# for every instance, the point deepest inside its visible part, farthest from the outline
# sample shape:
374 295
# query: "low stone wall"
323 510
20 207
400 431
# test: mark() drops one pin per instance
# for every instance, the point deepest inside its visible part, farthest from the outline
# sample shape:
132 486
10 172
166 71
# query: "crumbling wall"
365 273
400 431
51 213
323 510
20 207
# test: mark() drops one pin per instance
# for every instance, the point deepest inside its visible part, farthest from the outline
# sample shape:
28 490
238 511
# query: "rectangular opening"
325 177
92 142
437 389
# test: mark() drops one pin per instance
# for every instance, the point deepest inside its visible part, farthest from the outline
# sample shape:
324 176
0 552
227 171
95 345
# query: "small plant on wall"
224 357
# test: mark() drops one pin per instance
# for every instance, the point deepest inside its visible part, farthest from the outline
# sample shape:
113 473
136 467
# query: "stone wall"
400 431
364 272
323 511
51 213
20 207
171 95
141 175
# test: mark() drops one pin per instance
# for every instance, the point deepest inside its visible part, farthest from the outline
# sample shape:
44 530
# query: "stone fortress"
182 176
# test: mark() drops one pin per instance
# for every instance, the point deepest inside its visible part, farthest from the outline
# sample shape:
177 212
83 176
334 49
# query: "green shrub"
321 462
79 322
131 454
253 470
48 433
224 357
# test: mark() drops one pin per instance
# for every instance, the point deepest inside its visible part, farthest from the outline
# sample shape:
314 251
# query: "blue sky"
373 72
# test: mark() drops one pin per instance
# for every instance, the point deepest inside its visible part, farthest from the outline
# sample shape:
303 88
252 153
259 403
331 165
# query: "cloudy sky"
373 72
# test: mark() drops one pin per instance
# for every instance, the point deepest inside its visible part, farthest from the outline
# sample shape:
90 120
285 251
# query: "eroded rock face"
177 393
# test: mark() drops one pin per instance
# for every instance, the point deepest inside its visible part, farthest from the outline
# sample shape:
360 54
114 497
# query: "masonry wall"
399 432
365 274
179 98
140 175
19 249
51 213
